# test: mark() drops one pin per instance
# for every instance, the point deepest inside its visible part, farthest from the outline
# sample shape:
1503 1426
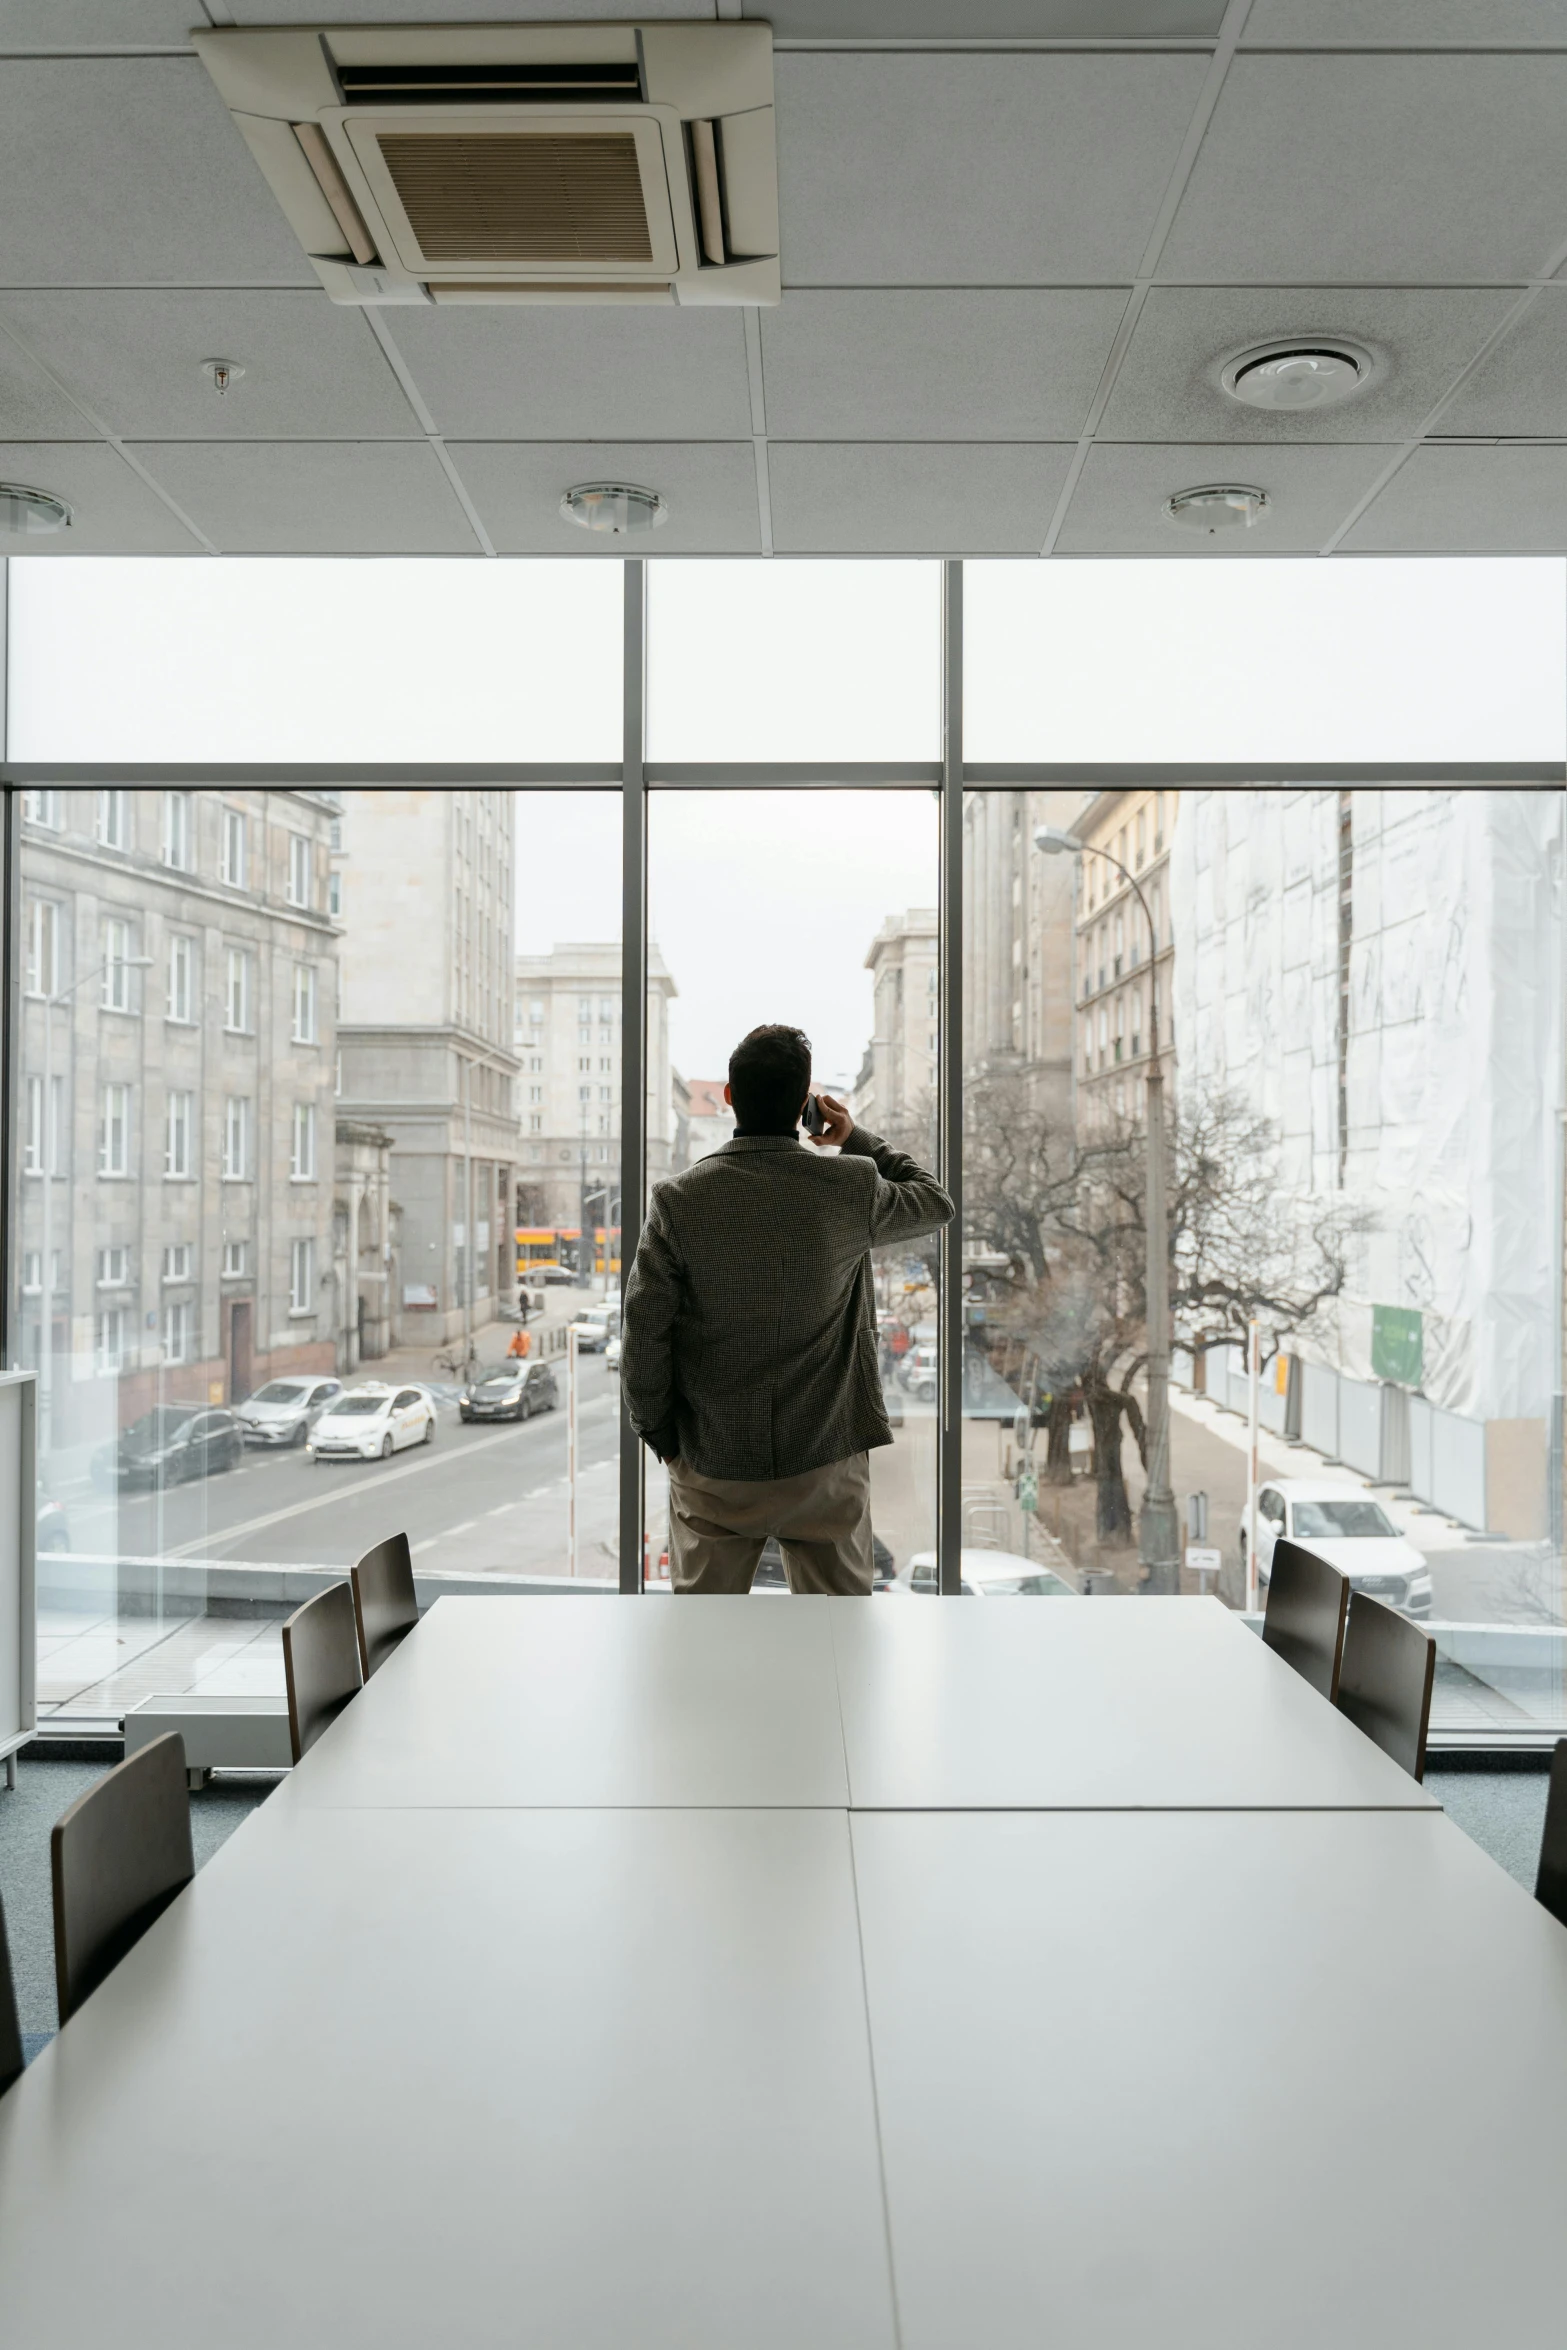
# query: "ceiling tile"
1469 502
1522 386
932 364
129 170
990 20
542 374
518 489
27 26
1443 170
314 497
1413 24
113 512
31 407
901 498
312 370
1167 386
942 169
1118 505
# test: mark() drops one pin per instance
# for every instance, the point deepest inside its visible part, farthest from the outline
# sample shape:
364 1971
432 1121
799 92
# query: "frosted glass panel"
794 660
1267 661
312 660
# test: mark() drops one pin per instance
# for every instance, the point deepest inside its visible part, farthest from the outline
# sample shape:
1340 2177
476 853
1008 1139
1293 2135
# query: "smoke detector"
615 508
31 514
554 163
1218 509
1291 377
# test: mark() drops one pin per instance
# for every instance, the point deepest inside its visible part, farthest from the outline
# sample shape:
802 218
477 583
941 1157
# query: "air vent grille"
517 84
537 196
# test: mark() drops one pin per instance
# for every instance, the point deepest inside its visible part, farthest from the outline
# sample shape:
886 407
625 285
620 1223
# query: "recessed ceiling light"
1218 508
31 514
615 507
1292 376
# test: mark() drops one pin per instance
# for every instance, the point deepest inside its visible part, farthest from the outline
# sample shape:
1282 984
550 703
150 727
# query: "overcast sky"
764 904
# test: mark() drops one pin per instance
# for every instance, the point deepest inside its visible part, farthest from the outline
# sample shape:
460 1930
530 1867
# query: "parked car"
512 1391
285 1410
771 1574
988 1574
547 1270
612 1354
595 1327
917 1373
373 1421
170 1445
1351 1530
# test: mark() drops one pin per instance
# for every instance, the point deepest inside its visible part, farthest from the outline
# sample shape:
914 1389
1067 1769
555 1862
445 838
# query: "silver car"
285 1410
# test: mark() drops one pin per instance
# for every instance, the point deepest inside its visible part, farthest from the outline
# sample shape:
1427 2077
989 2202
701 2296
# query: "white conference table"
581 2071
875 1703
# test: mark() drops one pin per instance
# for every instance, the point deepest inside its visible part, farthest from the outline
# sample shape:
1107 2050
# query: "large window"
348 1079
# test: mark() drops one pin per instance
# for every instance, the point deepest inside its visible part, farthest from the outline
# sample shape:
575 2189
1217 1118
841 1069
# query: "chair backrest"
1550 1886
320 1664
118 1857
385 1608
1304 1618
10 2029
1384 1682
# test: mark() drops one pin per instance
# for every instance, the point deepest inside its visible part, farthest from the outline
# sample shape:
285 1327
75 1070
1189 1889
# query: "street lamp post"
1159 1542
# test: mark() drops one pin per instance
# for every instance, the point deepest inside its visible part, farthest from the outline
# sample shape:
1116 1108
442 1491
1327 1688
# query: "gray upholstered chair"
1303 1621
1550 1886
320 1664
1384 1682
118 1858
385 1609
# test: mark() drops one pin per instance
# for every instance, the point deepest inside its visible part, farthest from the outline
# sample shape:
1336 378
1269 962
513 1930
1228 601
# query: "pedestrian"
521 1344
750 1363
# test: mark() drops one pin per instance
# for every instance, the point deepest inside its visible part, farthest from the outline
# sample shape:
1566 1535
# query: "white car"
372 1422
1351 1530
987 1574
595 1327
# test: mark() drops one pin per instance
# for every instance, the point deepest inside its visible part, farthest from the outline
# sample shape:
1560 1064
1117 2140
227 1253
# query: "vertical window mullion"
633 1018
949 1481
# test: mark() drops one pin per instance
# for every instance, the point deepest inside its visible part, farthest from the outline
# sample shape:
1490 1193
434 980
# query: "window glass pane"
143 659
1356 998
307 1178
1395 660
752 924
794 660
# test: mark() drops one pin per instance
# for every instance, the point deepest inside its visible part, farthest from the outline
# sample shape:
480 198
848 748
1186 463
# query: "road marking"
213 1543
466 1527
428 1543
501 1512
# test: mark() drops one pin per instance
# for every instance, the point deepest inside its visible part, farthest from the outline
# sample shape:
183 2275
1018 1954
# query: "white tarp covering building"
1379 974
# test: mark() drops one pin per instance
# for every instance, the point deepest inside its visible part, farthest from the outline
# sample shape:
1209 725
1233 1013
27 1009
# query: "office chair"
1550 1886
1303 1621
118 1857
320 1664
1385 1677
11 2059
385 1609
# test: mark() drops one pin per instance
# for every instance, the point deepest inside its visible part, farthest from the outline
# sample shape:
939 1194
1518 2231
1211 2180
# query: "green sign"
1396 1344
1028 1491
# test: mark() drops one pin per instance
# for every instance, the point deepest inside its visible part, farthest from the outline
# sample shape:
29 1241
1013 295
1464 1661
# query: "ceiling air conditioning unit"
517 163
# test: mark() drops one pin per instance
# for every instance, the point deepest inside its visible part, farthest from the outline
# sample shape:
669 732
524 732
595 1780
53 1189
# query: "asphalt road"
476 1499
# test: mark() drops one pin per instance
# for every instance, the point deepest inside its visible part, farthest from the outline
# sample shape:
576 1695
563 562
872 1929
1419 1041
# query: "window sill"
304 1179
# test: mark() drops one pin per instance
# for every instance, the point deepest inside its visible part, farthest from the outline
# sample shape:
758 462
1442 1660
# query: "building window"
114 1131
334 893
536 1061
535 1093
1158 822
177 1139
584 1063
236 1260
536 1122
584 1093
113 1270
606 1066
236 993
1142 839
1156 908
536 1010
43 948
115 995
178 1325
233 848
304 1003
176 1261
302 1156
298 869
604 1093
109 1339
335 831
177 831
113 825
236 1138
42 807
182 970
302 1277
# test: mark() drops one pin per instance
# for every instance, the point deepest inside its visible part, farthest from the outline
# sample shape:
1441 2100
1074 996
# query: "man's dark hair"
769 1077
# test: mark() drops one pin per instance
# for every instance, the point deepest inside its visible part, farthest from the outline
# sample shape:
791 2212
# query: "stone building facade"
1125 979
1017 933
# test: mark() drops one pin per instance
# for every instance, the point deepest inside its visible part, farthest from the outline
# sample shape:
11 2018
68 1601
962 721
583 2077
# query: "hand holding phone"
812 1118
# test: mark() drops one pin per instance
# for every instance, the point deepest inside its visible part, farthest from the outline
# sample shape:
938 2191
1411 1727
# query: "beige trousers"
717 1526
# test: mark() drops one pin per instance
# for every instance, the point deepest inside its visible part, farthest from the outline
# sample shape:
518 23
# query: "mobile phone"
812 1118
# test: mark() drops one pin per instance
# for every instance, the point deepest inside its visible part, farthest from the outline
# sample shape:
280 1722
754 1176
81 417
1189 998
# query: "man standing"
749 1361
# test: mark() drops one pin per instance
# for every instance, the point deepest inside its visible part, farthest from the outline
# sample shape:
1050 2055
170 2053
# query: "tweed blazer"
749 1345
